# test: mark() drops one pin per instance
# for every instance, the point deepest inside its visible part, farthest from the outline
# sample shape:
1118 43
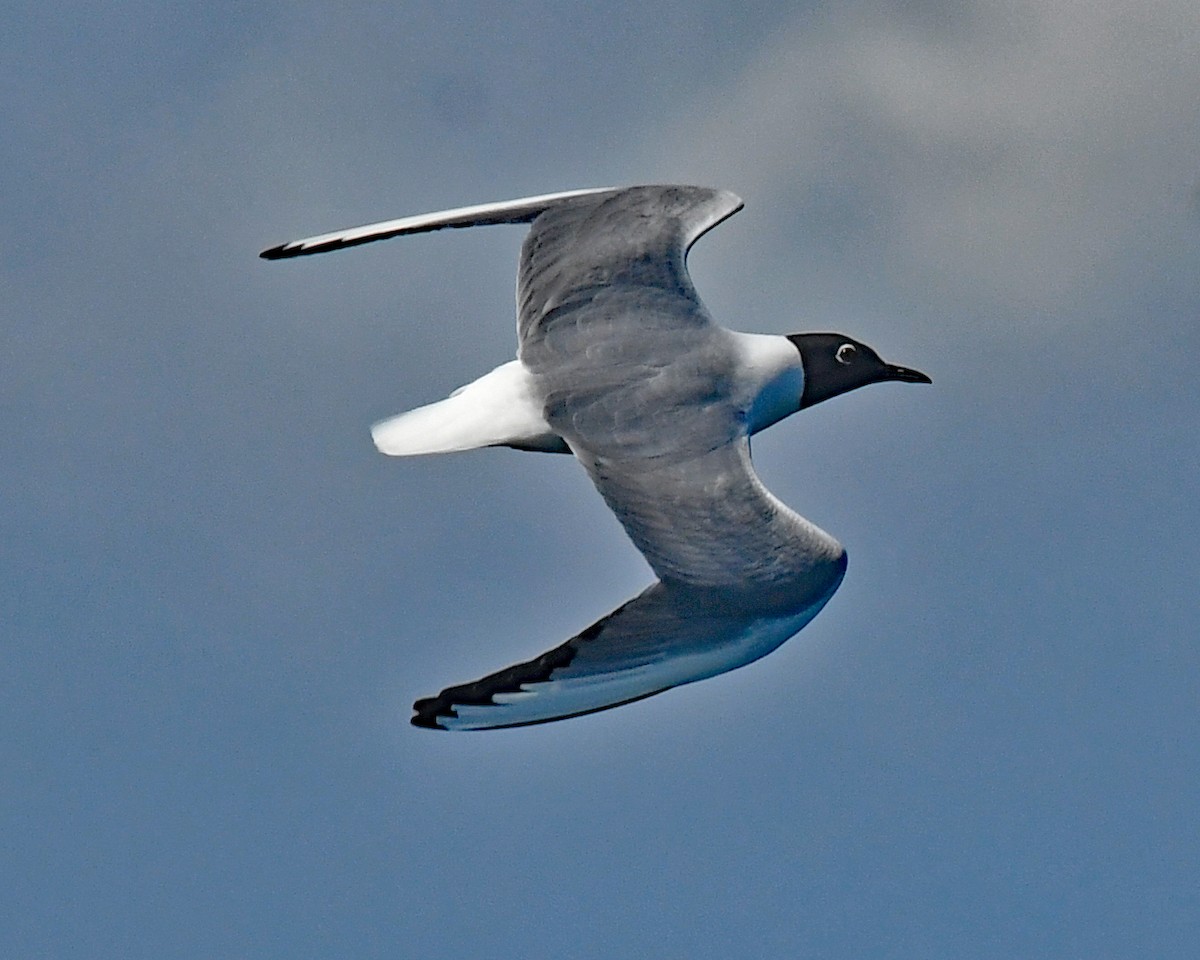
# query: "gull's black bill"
907 374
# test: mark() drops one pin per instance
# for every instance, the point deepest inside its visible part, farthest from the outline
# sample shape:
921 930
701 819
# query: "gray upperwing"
625 356
707 521
623 248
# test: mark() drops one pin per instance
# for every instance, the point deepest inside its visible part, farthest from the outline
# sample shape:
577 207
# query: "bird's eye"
846 353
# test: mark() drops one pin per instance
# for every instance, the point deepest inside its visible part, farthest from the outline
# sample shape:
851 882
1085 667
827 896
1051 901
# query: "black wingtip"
280 252
428 712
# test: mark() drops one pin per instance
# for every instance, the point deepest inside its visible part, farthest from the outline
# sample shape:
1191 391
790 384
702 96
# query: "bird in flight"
620 364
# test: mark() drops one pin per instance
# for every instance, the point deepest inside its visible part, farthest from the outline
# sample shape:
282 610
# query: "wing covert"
602 245
707 521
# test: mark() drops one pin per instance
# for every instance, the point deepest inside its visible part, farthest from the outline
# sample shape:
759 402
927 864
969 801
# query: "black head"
835 364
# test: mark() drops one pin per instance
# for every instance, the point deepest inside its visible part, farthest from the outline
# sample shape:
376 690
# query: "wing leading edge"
522 210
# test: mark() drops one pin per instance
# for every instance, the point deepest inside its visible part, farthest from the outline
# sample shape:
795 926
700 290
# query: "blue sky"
218 602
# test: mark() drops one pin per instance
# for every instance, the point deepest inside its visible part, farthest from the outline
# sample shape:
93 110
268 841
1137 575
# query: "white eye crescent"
846 353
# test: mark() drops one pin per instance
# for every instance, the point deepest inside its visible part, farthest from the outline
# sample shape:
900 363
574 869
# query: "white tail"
498 409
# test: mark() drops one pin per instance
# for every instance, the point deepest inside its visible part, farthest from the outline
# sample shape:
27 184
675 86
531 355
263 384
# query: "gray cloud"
1028 157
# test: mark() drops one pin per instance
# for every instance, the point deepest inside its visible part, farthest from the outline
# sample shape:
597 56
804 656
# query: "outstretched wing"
664 637
505 211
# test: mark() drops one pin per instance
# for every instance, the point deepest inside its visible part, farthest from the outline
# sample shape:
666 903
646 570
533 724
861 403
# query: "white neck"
774 375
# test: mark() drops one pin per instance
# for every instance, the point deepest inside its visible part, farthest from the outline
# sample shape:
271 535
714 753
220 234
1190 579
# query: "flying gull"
620 364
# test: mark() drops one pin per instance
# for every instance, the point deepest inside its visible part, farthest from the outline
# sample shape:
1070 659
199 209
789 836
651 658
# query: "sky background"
217 602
